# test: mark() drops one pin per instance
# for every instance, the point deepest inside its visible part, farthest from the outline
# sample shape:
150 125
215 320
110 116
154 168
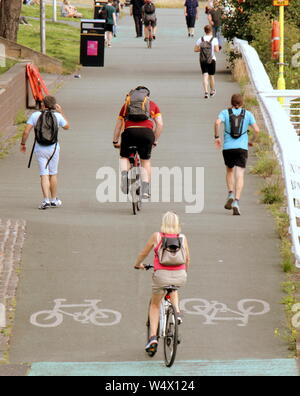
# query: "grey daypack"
149 9
206 51
171 252
137 105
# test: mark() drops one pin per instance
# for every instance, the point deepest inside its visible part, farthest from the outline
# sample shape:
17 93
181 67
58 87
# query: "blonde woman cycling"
163 275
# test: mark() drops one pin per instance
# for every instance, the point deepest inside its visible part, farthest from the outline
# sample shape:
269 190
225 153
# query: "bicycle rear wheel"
171 336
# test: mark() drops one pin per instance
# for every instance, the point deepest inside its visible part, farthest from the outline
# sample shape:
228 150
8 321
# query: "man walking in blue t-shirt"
235 147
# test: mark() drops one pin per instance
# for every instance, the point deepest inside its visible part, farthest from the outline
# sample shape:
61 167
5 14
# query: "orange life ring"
275 40
37 84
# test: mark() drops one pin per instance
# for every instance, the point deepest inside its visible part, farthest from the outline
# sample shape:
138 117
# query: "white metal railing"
282 122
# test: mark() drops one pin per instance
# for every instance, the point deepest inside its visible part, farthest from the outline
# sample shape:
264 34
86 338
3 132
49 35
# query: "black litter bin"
98 7
92 42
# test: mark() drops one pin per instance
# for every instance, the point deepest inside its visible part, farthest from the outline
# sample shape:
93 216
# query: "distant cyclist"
149 19
142 123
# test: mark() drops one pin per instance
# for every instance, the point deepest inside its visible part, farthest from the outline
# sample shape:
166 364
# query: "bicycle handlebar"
146 267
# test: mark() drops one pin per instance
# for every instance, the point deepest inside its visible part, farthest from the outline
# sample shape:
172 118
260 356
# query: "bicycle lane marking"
201 368
90 313
214 311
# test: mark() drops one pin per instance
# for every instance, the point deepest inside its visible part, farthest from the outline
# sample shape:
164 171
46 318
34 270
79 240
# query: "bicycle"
134 180
168 328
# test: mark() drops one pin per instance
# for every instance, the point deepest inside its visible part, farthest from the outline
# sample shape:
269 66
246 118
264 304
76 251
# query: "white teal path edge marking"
202 368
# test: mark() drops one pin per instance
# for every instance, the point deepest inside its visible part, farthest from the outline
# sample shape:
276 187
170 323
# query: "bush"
273 191
266 165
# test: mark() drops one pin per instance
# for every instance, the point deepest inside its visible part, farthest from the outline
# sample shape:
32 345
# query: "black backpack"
206 51
46 132
149 9
103 13
236 124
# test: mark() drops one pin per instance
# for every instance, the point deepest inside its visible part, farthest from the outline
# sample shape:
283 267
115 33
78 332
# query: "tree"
237 24
10 11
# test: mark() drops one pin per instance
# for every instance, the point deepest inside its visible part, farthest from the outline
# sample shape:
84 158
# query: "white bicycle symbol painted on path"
215 311
90 313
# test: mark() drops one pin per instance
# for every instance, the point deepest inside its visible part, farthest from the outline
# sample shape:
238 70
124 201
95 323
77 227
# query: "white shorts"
43 154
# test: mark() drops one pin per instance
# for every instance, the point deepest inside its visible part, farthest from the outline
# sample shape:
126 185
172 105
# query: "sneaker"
179 320
229 201
212 93
146 190
124 182
236 208
151 347
56 203
206 95
44 205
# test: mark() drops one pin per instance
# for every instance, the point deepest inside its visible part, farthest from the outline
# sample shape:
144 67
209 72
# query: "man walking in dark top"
136 12
215 20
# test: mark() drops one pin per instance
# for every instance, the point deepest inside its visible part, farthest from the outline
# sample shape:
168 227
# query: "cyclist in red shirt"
142 134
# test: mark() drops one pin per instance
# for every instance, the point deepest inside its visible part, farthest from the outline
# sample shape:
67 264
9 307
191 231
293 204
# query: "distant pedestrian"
191 12
117 5
111 22
136 11
215 20
236 122
207 46
46 147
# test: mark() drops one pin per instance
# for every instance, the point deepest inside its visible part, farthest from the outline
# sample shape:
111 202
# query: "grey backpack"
137 105
171 252
206 51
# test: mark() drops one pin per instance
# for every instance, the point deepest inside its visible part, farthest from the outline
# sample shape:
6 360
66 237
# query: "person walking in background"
215 20
111 21
46 124
191 12
236 122
164 275
136 11
117 5
207 46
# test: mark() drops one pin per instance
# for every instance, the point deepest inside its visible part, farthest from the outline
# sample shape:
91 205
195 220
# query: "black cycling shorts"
209 68
150 21
142 138
235 157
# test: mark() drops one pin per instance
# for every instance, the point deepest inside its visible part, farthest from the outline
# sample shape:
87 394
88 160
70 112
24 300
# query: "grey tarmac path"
86 250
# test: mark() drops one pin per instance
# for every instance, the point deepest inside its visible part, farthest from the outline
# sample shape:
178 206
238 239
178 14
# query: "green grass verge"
62 42
8 64
34 11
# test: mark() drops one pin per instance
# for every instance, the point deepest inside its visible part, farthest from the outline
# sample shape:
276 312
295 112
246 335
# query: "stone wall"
13 93
44 62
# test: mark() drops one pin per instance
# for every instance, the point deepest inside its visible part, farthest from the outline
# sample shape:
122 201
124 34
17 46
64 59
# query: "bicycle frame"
135 180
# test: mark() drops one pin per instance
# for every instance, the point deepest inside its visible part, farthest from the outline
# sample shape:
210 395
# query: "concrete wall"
12 96
48 64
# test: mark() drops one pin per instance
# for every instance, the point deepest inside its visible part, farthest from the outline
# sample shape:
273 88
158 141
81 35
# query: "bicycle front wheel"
171 336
